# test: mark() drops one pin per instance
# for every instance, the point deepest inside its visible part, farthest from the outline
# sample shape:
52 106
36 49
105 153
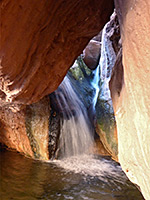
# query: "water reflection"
24 179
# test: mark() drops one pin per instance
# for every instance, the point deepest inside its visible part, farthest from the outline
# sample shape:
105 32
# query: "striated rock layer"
132 103
40 40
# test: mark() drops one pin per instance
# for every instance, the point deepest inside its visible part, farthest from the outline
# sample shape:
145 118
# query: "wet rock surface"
37 127
27 130
54 133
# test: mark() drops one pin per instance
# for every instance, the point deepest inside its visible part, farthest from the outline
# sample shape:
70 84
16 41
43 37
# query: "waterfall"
95 84
75 130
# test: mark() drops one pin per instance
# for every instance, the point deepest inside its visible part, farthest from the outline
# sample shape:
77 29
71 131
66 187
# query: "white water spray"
76 134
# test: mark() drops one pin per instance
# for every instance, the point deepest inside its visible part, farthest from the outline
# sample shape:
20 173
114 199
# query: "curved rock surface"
132 104
40 40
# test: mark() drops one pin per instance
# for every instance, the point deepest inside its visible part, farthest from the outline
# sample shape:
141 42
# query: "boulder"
91 54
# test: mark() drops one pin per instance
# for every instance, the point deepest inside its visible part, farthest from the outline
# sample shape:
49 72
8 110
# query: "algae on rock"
37 127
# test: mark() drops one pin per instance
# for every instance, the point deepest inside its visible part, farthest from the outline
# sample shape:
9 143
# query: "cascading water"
76 139
95 84
75 132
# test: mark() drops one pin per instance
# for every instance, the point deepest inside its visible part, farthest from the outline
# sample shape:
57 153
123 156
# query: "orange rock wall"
132 107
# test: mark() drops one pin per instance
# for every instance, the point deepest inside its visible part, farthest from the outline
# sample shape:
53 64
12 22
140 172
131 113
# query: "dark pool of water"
88 178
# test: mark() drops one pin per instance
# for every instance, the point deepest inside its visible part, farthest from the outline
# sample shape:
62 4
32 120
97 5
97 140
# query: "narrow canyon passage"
76 169
74 97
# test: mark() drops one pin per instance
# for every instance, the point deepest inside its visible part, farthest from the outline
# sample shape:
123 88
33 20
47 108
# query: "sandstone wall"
132 104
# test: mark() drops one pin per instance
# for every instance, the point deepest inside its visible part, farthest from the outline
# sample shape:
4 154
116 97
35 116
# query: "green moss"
28 122
106 123
80 71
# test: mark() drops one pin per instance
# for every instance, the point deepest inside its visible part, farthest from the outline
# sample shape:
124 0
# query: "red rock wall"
132 106
39 42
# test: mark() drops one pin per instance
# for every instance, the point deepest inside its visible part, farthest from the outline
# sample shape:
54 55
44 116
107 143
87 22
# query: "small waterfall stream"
76 138
76 135
95 84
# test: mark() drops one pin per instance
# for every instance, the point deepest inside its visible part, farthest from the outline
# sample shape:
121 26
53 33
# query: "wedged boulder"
132 106
39 42
91 54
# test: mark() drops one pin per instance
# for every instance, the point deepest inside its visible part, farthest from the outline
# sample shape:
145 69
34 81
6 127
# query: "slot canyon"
74 79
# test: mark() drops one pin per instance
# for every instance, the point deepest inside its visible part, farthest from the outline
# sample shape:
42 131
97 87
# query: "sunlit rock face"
132 106
39 42
106 125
